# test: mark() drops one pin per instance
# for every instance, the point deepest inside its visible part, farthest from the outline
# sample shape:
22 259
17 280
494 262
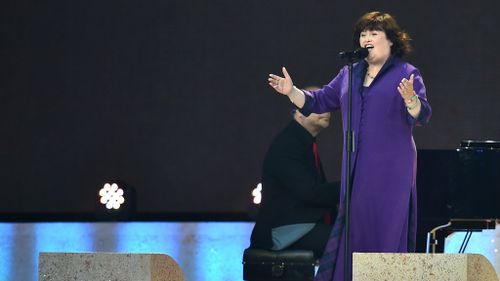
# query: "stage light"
111 196
254 203
257 194
115 201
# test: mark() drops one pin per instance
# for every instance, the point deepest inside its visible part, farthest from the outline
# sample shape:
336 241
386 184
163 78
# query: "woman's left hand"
405 88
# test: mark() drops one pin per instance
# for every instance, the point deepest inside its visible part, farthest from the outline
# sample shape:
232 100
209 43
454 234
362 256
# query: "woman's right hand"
281 85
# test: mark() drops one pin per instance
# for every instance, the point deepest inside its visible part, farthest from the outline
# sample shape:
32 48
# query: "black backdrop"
172 98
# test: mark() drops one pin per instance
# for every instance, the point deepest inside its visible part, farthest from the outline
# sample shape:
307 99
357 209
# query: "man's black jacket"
293 191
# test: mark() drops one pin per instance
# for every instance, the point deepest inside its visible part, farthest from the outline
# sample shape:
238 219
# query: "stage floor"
206 251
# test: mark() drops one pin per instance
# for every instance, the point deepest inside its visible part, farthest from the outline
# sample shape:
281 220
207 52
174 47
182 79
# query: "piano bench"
266 265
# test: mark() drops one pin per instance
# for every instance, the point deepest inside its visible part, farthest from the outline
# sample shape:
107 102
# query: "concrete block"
422 267
107 266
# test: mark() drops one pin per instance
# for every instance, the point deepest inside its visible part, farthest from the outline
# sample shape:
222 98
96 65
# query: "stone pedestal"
107 266
422 267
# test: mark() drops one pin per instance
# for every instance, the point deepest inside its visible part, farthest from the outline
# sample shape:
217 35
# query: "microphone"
358 54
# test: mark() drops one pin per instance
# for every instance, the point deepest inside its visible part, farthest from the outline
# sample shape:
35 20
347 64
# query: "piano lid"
480 144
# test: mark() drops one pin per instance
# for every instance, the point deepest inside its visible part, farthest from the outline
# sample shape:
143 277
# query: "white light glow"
257 194
111 195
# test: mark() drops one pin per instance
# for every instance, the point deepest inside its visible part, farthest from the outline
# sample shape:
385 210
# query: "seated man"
295 194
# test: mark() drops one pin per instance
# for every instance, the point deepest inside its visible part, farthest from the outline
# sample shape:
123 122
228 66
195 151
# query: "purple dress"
383 165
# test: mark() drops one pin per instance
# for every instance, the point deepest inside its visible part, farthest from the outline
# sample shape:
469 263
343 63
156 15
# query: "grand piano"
460 187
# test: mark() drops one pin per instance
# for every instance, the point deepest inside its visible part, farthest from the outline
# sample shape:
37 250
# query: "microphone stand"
347 174
351 58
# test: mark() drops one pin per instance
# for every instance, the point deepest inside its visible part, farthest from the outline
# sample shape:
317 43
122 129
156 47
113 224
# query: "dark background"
171 97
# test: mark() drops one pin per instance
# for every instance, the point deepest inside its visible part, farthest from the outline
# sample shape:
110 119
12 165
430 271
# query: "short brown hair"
384 22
